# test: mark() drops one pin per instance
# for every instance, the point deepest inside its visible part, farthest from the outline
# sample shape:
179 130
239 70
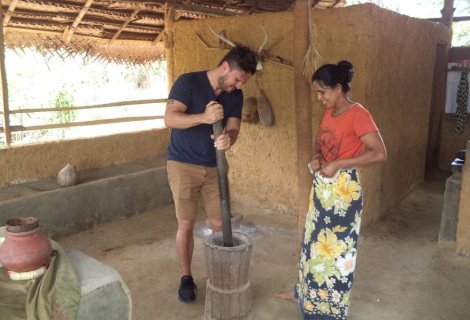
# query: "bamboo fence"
9 129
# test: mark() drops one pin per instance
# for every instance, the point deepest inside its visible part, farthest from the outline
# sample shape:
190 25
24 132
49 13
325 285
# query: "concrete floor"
402 273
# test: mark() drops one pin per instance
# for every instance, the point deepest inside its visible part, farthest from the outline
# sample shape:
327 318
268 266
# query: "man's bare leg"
185 244
216 225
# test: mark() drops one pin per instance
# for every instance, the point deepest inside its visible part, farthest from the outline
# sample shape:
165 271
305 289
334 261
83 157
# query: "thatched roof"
127 30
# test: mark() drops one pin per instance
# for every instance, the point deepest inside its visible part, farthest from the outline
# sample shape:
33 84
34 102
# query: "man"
196 101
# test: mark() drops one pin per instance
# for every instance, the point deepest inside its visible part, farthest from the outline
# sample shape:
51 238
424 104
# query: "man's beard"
223 85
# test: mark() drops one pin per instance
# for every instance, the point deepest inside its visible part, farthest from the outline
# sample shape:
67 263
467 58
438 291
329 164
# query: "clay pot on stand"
25 248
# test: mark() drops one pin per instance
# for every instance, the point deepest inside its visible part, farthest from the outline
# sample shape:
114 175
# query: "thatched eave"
110 30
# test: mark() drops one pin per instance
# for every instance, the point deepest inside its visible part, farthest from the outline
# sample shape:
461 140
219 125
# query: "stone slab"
104 295
103 195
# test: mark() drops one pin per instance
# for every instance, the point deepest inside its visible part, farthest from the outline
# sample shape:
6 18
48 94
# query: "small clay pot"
25 248
68 176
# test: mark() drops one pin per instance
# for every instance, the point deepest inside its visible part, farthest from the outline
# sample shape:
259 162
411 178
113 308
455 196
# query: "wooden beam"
168 38
448 13
68 32
12 128
336 3
86 123
3 75
28 17
105 31
454 19
303 111
124 25
158 38
195 9
97 106
84 36
9 13
62 8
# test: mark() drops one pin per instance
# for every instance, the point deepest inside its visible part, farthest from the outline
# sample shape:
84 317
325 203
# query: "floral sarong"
329 248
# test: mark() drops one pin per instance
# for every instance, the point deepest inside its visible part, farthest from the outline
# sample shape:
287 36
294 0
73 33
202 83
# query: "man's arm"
230 135
232 128
175 116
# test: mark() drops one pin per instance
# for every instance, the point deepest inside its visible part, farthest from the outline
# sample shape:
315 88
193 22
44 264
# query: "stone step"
104 295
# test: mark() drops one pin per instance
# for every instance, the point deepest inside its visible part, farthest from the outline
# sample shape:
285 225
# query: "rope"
311 57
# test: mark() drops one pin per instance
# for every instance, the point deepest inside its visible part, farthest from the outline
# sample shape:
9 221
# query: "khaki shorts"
188 182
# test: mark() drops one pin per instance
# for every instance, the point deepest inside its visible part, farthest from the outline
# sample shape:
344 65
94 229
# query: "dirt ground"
401 274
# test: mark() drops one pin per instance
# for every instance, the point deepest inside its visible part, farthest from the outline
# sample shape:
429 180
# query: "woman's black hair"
330 75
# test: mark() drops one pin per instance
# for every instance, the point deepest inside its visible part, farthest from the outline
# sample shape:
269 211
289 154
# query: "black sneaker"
187 289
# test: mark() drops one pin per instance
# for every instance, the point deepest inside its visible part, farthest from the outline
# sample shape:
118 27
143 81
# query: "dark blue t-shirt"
194 145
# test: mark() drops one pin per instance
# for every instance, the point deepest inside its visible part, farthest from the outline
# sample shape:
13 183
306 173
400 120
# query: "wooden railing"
9 129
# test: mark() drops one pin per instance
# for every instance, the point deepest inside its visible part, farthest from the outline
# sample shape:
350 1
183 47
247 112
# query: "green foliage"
62 100
30 136
461 34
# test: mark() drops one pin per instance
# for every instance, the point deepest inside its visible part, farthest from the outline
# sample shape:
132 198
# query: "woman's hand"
316 163
329 169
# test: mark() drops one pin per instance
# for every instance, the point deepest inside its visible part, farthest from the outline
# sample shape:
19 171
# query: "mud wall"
31 162
393 80
450 141
262 162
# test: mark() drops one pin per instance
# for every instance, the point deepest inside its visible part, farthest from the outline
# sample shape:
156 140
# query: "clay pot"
25 248
67 176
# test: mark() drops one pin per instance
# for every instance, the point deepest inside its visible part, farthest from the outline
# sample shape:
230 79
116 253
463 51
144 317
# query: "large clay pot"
25 248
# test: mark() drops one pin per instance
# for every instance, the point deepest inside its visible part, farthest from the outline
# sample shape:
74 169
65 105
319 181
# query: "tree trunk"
448 13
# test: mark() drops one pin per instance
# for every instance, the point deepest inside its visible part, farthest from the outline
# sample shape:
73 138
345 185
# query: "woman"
348 139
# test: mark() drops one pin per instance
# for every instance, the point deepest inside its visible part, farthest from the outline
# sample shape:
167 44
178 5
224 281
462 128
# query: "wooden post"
438 102
438 93
303 112
448 13
168 39
3 75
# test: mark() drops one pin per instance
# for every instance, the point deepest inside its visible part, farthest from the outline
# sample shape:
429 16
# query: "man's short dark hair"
242 58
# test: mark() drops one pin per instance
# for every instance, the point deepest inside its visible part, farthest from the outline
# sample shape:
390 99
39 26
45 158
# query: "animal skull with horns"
259 66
